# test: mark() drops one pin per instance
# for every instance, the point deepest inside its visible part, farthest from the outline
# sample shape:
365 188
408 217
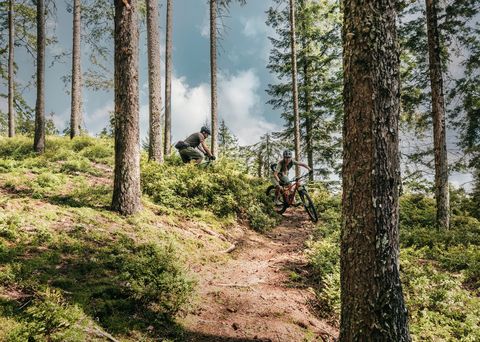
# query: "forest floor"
258 294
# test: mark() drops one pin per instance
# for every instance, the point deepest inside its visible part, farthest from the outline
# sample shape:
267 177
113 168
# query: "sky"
242 74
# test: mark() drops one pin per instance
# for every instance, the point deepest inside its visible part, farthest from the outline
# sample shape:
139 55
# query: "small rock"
302 324
235 326
231 310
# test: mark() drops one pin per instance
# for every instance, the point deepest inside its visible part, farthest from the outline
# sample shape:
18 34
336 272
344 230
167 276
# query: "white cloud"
98 119
190 107
254 26
238 105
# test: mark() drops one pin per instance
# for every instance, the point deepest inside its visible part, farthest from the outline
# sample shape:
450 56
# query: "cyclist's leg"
194 154
278 188
185 158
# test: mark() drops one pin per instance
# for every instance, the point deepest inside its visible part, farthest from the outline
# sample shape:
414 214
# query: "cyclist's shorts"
283 180
190 153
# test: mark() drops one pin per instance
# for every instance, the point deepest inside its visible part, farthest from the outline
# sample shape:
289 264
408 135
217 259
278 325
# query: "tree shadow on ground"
89 274
192 336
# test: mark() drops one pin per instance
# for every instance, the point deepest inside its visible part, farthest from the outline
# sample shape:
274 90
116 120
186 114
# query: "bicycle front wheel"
308 205
282 205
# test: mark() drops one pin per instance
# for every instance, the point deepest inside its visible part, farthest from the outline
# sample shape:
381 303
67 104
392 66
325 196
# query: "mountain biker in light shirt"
196 144
280 174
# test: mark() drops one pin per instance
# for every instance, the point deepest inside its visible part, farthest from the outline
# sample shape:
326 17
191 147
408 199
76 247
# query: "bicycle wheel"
280 208
308 205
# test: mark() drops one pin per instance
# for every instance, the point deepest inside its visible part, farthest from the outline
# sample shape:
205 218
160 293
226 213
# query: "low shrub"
155 278
50 318
220 189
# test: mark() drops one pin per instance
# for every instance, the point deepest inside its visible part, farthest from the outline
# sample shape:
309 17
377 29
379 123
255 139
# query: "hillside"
206 260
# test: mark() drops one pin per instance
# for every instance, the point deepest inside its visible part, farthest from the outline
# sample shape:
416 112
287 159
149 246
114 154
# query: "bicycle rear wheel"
308 205
283 205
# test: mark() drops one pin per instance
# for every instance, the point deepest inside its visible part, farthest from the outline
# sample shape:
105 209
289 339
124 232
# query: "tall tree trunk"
126 185
438 113
168 79
76 110
373 307
296 116
155 151
39 138
307 89
11 71
213 73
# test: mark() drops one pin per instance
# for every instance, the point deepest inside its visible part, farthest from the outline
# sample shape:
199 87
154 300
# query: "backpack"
181 145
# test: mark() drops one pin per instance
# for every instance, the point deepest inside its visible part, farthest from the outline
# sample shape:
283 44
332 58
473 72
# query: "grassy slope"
71 269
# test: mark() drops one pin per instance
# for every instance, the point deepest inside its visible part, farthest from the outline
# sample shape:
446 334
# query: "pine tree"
11 71
373 307
293 58
319 75
155 150
168 79
438 114
39 138
216 8
227 141
126 185
76 105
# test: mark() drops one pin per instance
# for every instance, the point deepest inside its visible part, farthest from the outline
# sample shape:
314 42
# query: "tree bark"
76 110
155 151
373 307
39 138
213 74
126 186
11 71
438 113
296 116
168 79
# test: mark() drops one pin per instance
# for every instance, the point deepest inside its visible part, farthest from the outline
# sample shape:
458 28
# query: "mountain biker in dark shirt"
280 173
194 147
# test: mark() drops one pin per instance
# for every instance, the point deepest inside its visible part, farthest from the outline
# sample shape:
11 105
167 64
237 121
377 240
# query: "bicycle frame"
289 191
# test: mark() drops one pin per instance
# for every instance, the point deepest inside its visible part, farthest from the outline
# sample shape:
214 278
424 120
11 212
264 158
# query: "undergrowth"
439 269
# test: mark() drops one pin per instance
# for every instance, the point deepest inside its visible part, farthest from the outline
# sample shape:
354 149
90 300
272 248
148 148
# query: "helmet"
287 154
206 130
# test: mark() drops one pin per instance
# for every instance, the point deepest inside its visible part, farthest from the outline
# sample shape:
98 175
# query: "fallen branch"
231 248
101 333
211 232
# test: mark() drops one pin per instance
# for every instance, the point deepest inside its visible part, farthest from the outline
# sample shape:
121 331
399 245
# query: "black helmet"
206 130
287 154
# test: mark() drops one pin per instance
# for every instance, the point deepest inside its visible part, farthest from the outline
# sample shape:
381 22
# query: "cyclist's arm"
205 149
304 166
275 173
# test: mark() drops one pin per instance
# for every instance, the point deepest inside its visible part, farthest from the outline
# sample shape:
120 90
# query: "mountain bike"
206 163
287 198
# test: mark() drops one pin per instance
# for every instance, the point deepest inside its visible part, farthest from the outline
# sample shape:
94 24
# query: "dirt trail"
250 297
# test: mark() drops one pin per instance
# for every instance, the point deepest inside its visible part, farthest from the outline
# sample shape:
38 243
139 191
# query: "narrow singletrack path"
251 296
